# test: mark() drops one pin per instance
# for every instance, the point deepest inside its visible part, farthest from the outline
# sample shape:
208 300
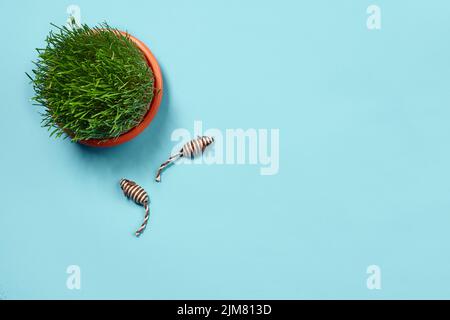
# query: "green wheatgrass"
94 83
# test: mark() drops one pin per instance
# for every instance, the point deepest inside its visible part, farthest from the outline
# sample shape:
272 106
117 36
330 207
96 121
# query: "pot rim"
154 104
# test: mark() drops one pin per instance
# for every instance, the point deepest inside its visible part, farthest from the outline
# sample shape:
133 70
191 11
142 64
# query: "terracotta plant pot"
154 104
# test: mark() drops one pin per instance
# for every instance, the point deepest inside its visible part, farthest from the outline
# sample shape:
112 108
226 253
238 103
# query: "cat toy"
136 193
190 150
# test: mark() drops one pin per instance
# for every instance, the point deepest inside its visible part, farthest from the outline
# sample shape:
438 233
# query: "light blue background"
364 157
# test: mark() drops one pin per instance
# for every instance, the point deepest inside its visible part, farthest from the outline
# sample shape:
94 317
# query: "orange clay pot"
154 104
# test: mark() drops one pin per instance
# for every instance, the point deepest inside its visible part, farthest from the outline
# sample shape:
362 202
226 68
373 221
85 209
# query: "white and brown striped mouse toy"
190 150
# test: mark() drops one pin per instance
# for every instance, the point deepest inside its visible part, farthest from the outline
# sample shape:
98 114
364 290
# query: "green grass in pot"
94 83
